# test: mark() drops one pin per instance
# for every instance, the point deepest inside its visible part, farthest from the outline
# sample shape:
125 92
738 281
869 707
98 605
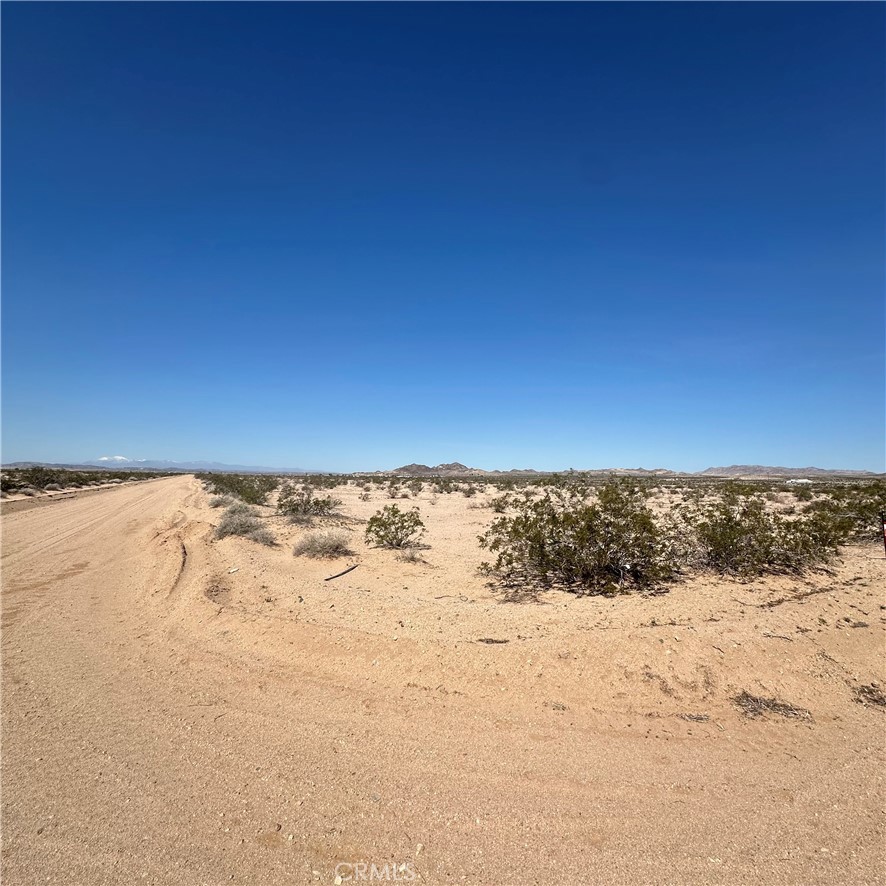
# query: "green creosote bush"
854 508
242 520
392 528
607 546
500 503
737 535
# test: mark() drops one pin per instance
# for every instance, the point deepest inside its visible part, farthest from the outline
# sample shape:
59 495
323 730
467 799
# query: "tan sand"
178 710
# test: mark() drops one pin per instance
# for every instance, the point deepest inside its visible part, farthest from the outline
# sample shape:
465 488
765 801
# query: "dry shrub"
323 543
241 520
870 694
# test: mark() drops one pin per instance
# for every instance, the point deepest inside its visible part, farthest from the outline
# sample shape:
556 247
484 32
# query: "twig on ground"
344 572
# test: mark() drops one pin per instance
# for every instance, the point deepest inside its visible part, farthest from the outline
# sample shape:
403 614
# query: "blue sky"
517 235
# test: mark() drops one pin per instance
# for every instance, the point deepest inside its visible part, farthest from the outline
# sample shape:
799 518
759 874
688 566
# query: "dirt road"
159 730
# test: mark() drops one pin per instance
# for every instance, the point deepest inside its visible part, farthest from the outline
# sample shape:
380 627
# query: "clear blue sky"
351 236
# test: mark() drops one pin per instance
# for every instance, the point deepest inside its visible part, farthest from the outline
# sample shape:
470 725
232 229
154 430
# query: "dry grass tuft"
240 519
323 543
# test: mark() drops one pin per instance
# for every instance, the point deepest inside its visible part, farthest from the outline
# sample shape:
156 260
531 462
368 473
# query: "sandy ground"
178 710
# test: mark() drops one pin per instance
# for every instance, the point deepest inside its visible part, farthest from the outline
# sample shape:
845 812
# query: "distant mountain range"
767 471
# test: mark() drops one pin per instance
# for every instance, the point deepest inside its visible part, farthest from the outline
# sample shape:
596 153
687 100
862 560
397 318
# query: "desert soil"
179 710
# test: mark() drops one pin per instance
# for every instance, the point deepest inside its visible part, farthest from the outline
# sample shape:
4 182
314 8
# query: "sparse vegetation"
15 481
392 528
301 505
251 488
569 531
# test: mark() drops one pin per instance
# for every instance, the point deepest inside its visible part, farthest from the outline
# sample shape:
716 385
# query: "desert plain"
181 709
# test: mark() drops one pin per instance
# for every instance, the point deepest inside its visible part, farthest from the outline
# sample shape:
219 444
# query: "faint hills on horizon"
448 469
458 469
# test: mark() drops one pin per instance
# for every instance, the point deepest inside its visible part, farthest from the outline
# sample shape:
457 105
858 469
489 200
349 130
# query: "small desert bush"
410 555
325 543
500 503
392 528
222 501
301 506
602 547
242 520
